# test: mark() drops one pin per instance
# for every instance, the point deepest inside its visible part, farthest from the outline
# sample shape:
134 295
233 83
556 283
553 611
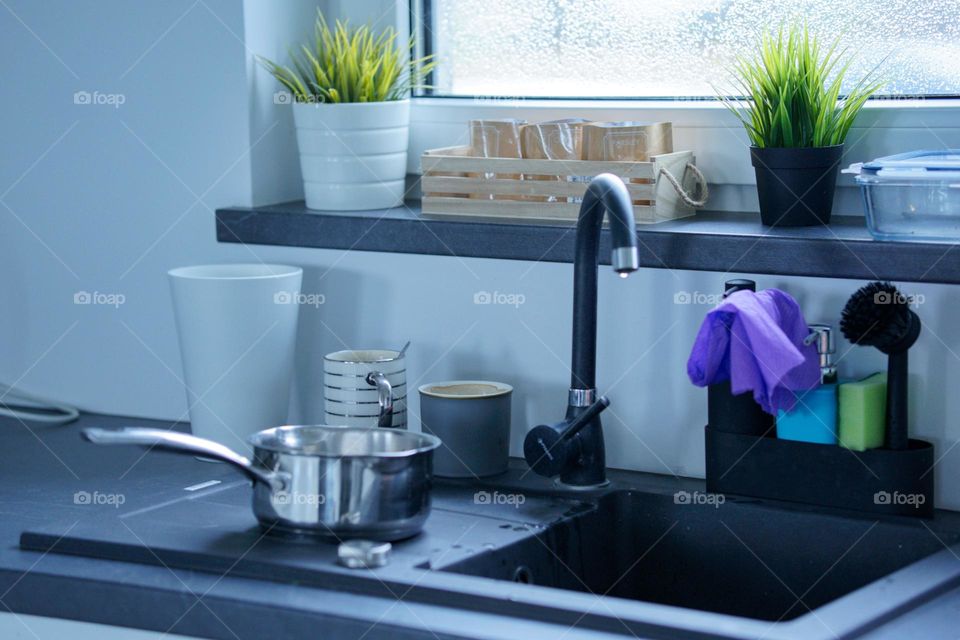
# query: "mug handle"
384 397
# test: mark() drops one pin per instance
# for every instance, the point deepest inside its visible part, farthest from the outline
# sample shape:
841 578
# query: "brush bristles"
877 315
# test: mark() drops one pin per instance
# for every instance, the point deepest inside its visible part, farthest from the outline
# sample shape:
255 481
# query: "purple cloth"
755 340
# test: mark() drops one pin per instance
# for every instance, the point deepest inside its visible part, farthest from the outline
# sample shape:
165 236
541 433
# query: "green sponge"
862 416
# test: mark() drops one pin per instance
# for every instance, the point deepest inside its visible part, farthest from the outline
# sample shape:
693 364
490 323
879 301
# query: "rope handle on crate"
702 189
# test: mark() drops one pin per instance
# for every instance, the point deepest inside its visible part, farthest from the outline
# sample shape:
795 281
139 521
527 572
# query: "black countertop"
44 468
47 470
708 241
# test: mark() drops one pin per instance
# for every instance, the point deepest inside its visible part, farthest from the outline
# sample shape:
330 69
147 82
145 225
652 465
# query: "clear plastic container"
912 196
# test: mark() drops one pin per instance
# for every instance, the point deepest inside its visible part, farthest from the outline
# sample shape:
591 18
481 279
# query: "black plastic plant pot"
796 184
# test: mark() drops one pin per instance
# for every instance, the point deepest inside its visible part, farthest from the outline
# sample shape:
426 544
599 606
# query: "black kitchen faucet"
573 448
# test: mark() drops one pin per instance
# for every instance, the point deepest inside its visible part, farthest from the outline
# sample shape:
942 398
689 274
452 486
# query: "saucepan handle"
182 443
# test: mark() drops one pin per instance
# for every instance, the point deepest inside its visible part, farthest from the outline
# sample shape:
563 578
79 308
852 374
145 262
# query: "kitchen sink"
705 552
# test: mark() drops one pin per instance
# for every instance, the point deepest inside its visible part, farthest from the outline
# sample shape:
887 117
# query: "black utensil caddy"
881 481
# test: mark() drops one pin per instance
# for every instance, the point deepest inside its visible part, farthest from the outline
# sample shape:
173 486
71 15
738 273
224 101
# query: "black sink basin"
690 550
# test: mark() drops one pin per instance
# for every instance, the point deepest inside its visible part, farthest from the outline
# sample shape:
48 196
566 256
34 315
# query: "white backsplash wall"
645 331
103 211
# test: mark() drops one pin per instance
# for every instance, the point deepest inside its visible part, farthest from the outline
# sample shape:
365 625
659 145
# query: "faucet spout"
606 193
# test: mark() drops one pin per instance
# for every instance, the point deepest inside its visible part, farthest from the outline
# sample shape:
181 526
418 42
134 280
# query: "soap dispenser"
814 417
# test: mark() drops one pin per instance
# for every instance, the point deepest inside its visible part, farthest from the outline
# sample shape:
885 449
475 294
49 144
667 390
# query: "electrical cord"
24 406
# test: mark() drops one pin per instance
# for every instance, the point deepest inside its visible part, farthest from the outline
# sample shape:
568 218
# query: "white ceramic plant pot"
353 155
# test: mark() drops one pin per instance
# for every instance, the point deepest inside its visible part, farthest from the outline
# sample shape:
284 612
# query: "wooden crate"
457 184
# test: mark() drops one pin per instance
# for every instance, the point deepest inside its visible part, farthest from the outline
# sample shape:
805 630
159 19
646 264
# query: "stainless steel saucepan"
333 482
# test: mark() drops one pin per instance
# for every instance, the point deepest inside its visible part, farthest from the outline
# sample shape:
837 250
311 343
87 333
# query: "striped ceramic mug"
351 398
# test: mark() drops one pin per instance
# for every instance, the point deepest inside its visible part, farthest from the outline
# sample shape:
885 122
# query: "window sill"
709 241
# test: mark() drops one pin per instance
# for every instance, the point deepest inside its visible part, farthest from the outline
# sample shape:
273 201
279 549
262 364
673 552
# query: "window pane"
676 48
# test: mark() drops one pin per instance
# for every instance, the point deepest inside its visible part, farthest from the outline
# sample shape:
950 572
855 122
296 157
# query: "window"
673 48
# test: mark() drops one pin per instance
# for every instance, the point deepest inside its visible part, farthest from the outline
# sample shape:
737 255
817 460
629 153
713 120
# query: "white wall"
102 210
106 199
656 417
269 28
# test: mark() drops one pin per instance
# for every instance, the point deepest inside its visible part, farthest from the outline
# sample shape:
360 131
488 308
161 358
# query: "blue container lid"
940 164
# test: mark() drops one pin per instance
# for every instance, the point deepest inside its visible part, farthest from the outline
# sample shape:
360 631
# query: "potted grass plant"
349 89
797 121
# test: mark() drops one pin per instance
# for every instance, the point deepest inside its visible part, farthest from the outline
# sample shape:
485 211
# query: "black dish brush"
878 315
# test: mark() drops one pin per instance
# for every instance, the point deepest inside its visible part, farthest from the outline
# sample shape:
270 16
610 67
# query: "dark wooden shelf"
706 242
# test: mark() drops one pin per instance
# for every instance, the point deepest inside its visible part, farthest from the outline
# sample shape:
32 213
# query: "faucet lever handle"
549 449
584 418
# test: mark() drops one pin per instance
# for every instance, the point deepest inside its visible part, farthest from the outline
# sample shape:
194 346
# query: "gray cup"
472 418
